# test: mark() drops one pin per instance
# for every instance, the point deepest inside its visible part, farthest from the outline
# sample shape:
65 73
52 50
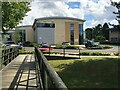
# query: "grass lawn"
86 72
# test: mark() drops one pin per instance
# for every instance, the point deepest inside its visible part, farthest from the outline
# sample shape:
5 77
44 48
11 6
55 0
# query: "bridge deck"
20 73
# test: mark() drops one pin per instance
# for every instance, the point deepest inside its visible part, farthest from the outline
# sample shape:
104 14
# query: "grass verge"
87 73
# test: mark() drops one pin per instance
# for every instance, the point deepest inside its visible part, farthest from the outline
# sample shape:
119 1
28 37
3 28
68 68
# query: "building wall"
67 31
28 32
59 31
62 30
114 37
45 35
76 33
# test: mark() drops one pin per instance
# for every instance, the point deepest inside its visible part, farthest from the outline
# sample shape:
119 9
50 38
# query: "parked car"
90 43
45 48
12 44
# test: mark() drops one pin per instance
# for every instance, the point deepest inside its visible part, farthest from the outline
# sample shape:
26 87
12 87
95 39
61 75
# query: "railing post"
45 80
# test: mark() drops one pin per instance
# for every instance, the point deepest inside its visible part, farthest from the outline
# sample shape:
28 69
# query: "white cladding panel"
45 35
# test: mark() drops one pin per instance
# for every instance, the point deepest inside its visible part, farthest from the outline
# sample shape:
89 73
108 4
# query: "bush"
106 47
94 54
84 53
36 44
66 47
25 52
47 52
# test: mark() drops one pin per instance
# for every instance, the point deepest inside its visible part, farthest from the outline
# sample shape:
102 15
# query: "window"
22 36
72 33
81 35
46 25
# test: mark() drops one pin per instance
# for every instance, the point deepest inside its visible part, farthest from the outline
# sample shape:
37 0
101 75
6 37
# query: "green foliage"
13 13
51 52
94 54
99 38
16 36
89 34
25 52
36 44
66 47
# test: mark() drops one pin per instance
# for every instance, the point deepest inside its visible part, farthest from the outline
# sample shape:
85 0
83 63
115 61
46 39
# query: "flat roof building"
26 33
56 30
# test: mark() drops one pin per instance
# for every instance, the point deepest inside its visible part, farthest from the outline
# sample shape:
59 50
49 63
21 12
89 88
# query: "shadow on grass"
97 73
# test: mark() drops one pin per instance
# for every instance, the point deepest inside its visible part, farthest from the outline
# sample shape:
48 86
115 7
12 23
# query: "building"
8 36
26 33
56 30
114 35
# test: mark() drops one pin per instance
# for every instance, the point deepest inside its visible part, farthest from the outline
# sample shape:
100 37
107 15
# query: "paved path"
20 74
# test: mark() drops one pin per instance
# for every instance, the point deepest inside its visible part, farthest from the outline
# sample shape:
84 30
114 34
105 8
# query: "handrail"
7 55
47 71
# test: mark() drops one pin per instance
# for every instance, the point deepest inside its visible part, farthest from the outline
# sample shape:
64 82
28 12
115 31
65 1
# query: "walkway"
20 73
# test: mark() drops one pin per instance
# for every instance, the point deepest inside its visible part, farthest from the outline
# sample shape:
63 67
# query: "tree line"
101 33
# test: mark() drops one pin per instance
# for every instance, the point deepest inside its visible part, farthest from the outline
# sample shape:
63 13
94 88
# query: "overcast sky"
93 11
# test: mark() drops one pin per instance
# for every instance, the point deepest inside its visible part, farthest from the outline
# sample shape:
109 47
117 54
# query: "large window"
22 36
46 25
81 34
72 33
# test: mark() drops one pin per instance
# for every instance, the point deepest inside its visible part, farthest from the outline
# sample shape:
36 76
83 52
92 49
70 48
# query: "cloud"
97 11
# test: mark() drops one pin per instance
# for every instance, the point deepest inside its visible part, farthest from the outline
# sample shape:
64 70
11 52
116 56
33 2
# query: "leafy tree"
99 38
117 5
12 14
97 30
16 36
88 33
105 31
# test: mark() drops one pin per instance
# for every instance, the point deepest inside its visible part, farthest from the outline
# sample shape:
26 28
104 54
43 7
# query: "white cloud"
101 10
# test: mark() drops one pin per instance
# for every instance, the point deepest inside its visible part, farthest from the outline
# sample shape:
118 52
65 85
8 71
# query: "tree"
117 5
105 31
16 36
97 30
99 38
88 33
12 14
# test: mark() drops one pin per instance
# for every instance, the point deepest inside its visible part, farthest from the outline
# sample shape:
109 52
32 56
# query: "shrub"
36 44
66 47
25 52
106 47
47 52
94 54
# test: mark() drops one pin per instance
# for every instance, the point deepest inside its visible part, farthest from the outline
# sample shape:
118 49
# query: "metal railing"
7 55
46 76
